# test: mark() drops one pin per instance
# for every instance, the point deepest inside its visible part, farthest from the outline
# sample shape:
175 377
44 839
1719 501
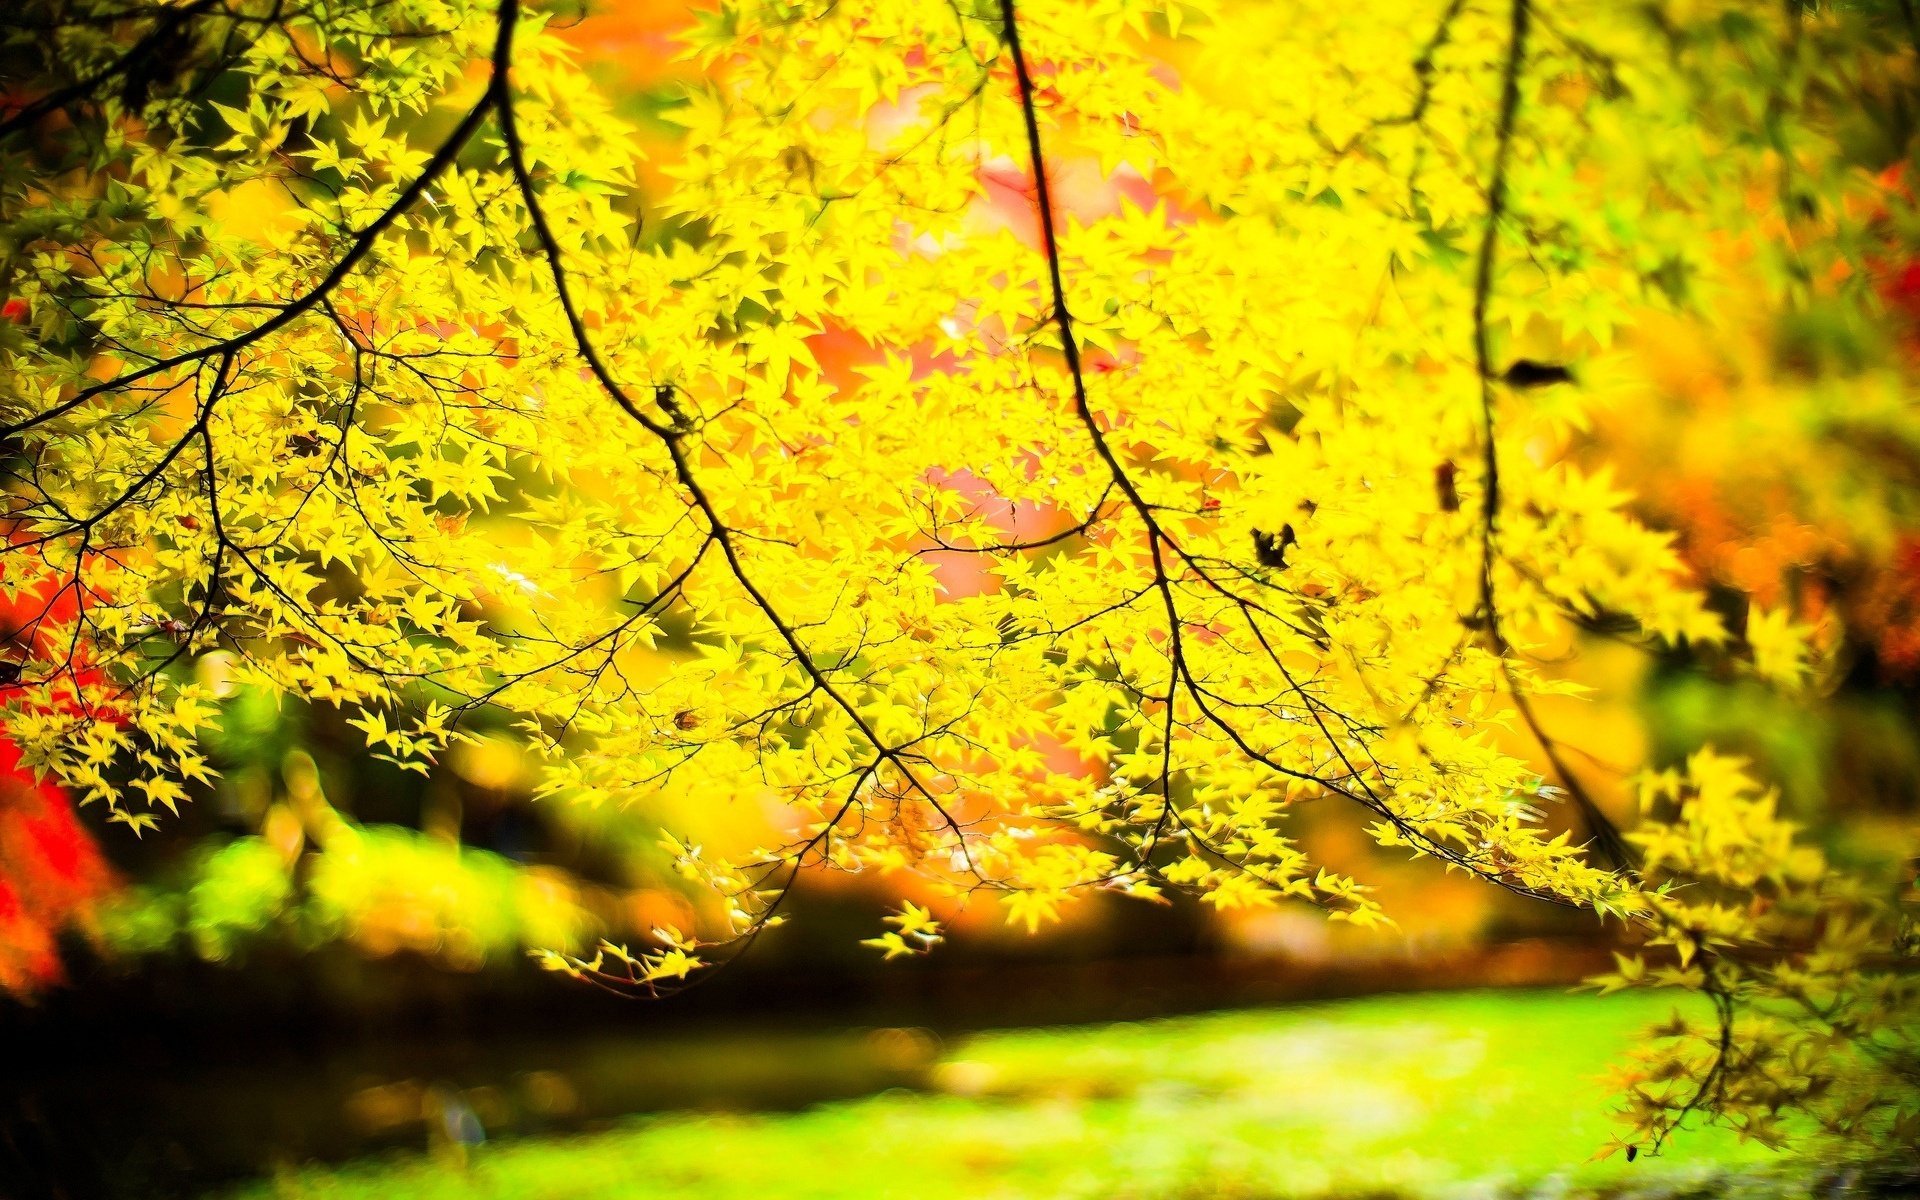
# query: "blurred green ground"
1477 1093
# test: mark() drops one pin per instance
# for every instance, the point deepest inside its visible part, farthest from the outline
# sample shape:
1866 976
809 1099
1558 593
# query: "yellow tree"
1038 446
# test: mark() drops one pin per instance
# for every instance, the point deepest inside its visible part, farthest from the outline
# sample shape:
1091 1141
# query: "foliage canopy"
1037 447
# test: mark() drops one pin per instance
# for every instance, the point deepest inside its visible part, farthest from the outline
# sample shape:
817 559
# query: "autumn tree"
1038 446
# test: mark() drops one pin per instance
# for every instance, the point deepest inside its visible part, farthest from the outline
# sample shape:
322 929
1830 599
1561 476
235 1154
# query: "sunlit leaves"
1813 1010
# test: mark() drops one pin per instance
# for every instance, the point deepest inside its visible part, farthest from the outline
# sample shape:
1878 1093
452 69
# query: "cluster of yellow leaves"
677 959
415 501
914 932
1809 970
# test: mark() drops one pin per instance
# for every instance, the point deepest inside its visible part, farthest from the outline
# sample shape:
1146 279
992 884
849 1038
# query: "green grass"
1462 1094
